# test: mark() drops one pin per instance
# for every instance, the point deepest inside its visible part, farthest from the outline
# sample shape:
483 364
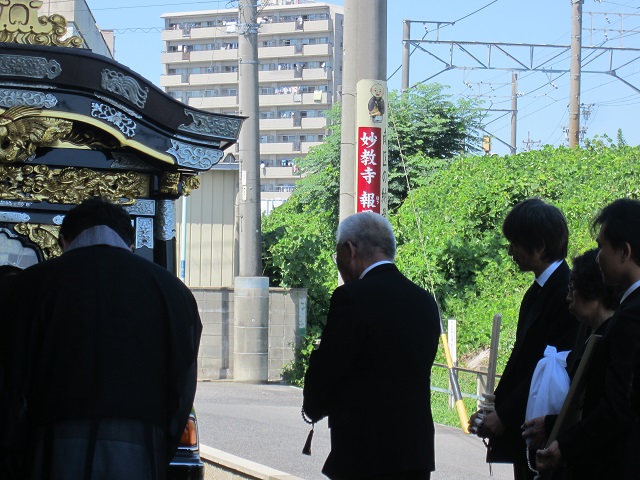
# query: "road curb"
222 461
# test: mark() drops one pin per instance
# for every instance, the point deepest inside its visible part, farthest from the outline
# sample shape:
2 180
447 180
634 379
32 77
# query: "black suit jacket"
544 320
371 376
606 443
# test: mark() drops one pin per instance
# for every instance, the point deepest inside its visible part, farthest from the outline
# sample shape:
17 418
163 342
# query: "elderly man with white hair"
371 372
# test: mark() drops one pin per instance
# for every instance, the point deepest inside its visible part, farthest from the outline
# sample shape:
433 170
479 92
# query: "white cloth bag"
549 385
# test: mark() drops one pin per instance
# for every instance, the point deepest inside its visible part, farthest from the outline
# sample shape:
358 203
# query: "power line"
446 24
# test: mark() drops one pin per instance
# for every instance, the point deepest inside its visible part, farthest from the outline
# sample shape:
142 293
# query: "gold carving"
23 130
169 183
69 185
190 183
45 236
19 23
89 137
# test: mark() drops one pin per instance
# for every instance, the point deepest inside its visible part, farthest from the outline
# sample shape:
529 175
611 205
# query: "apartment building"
300 77
81 23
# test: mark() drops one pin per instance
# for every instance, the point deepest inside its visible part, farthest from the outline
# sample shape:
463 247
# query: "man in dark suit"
105 357
371 372
538 237
606 442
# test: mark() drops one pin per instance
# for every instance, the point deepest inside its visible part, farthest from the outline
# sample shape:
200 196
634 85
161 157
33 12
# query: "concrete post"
251 329
251 292
406 53
574 82
514 111
249 142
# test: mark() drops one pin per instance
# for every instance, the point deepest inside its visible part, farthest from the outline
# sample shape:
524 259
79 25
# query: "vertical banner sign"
372 168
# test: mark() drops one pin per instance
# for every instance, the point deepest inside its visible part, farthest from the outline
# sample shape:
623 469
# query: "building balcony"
316 26
209 79
278 52
212 32
174 80
290 27
323 49
294 99
278 124
172 57
214 55
305 146
293 123
315 122
283 148
278 76
287 148
286 173
316 74
214 102
173 34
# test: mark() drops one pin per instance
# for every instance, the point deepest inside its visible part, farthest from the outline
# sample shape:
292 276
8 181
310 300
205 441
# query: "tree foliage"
426 131
449 231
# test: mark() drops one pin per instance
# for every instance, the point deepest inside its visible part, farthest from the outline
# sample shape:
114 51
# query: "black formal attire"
106 361
371 376
544 319
606 442
11 455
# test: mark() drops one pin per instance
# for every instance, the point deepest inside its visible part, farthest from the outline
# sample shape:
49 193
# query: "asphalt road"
262 423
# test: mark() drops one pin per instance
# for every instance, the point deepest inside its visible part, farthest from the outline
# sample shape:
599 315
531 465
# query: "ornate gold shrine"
75 124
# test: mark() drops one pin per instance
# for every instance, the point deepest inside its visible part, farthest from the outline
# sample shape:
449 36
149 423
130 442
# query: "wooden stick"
569 414
493 354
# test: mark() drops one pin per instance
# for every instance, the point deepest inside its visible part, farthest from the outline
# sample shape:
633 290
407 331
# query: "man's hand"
474 422
492 426
549 458
535 432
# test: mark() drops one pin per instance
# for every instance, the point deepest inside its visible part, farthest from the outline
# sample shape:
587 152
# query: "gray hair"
370 232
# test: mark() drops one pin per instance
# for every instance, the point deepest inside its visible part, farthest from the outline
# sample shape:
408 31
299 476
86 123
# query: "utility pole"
406 53
514 111
529 142
574 84
251 291
364 57
249 142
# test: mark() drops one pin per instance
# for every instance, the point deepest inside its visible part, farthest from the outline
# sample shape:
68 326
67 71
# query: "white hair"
370 232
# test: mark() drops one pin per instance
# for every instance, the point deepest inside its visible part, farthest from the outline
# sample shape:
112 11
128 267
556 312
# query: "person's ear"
625 252
352 249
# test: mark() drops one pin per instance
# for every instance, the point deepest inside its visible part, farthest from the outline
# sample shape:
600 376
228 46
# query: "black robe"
105 335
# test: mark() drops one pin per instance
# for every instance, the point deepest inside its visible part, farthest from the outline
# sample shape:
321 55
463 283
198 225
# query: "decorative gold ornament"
45 236
19 23
169 183
23 130
91 138
191 182
69 185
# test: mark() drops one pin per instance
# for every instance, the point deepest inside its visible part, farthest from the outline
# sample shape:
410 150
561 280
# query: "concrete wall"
287 326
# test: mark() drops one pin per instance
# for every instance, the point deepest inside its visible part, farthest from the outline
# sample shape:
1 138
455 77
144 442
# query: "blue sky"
543 98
